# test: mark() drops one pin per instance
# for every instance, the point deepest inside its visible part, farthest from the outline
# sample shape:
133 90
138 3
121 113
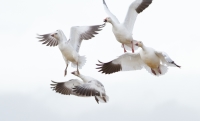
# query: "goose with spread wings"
147 58
123 31
70 48
86 88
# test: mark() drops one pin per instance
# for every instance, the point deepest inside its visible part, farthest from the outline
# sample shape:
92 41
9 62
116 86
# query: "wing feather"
134 9
91 88
79 33
125 62
48 39
143 5
166 59
65 88
113 17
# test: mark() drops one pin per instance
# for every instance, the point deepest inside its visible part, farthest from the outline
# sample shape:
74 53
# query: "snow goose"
147 58
70 48
86 88
123 31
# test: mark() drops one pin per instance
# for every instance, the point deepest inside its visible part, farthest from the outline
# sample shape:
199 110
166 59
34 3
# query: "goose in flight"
86 88
70 48
123 31
147 58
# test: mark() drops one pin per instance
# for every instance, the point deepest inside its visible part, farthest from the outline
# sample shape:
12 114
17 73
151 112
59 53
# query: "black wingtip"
53 82
104 2
143 5
100 61
104 99
178 66
96 99
175 64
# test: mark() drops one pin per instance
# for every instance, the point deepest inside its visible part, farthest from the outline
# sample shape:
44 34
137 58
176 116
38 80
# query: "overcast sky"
27 66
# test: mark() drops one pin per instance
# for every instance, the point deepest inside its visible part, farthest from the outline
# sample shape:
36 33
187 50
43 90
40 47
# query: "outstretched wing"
125 62
166 59
134 9
79 33
65 88
113 17
48 39
91 88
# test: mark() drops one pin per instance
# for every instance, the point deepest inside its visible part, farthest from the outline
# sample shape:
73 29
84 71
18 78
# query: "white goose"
147 58
86 88
70 48
123 31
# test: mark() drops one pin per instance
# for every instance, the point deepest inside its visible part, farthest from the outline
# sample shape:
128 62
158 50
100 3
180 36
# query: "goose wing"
48 39
112 16
134 9
79 33
91 88
125 62
65 88
166 59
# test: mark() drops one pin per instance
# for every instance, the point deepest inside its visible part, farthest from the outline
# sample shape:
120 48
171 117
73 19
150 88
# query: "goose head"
76 73
108 19
57 34
139 44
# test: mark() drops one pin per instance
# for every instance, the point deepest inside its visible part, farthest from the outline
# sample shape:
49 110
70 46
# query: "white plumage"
148 58
123 31
70 48
86 88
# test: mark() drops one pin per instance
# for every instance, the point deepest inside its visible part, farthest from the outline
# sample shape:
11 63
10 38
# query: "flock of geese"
155 62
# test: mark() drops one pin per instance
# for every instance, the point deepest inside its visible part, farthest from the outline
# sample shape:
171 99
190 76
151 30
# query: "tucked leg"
132 46
153 71
65 71
77 68
124 48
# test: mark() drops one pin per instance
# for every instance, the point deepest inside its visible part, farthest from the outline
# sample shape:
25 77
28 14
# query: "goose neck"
114 24
83 77
143 47
62 36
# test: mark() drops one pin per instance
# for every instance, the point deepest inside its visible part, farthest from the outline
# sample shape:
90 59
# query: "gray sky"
27 66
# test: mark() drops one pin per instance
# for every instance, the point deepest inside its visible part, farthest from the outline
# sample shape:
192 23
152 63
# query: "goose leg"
77 68
124 48
153 71
132 46
65 71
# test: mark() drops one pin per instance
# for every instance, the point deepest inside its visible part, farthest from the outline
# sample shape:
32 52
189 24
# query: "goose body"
123 31
153 61
70 48
150 58
86 88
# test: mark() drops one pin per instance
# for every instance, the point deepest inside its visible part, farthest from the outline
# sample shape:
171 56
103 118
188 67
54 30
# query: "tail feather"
81 62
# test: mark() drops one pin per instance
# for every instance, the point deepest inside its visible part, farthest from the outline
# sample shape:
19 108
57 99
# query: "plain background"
27 66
